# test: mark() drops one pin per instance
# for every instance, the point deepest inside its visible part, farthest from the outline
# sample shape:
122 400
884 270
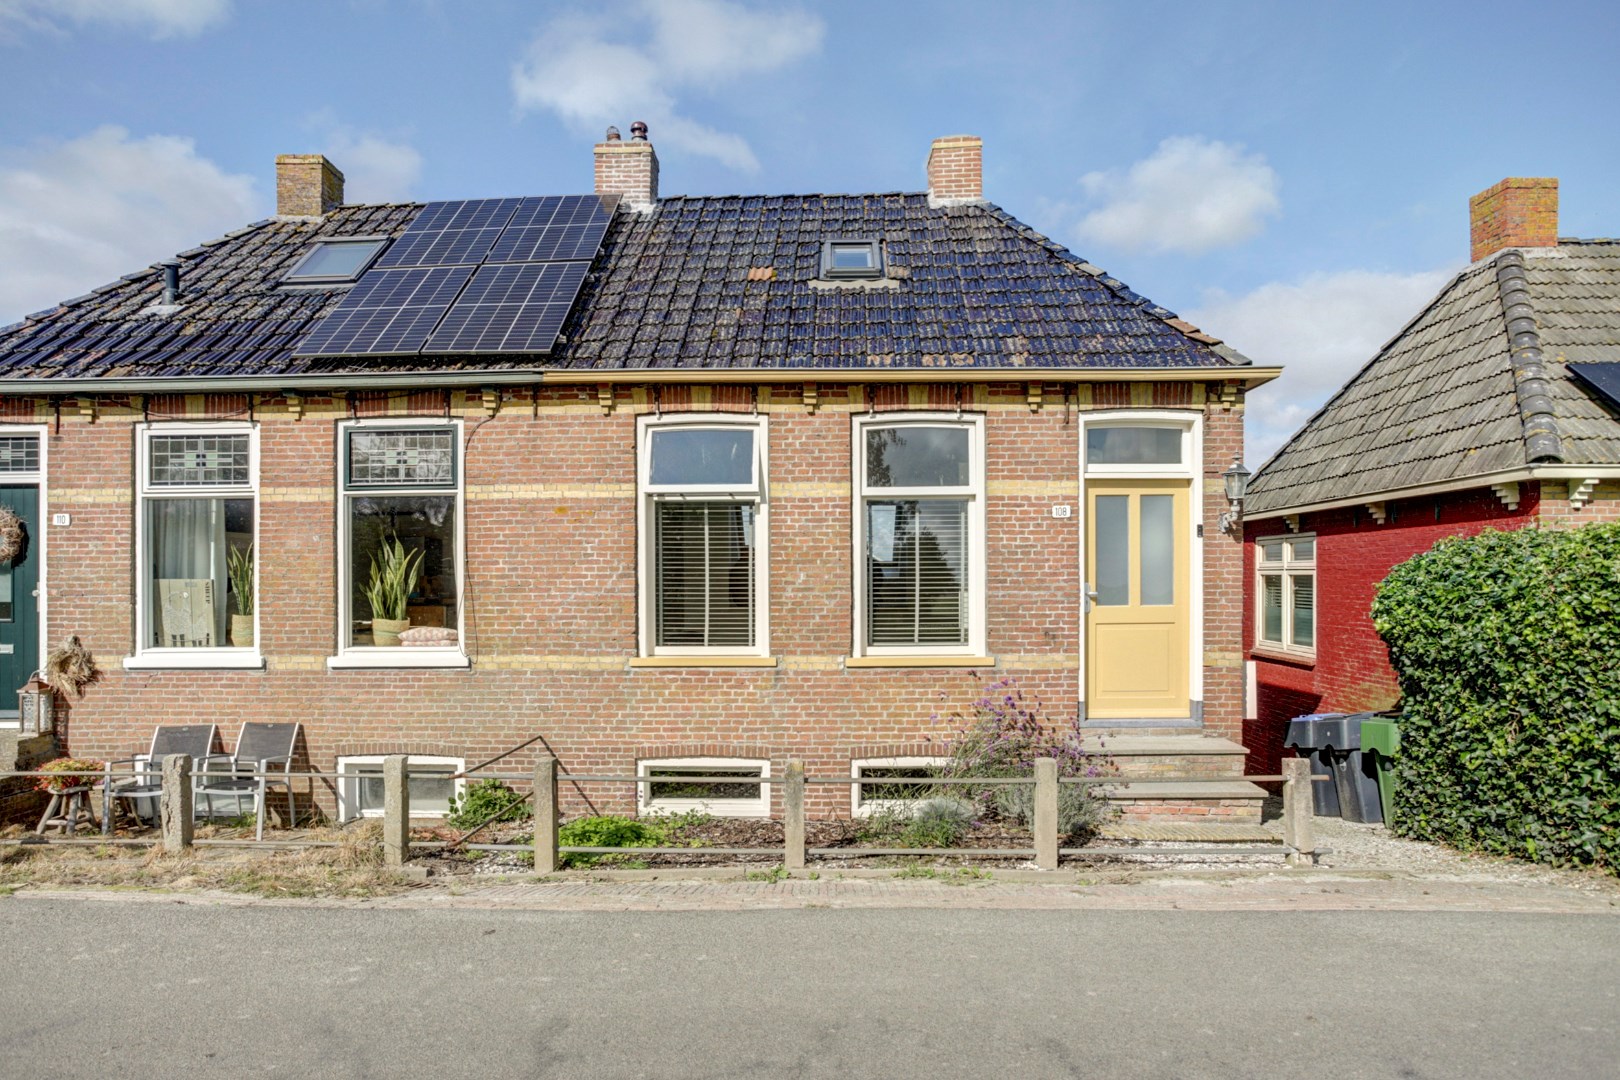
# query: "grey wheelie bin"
1305 735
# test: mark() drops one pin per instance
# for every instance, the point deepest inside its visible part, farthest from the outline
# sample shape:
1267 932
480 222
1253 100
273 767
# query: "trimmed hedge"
1507 646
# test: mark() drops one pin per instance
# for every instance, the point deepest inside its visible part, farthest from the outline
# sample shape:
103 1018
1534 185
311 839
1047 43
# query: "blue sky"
1293 177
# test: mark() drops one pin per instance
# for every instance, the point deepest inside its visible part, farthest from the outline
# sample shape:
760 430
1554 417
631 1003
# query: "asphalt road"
138 989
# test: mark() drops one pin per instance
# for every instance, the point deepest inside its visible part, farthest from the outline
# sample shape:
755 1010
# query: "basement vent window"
336 262
842 259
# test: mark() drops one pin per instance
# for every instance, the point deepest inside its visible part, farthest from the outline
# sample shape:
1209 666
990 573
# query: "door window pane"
1304 613
916 580
1113 554
1271 608
705 565
1133 445
425 526
19 453
686 456
188 549
915 456
1158 554
5 593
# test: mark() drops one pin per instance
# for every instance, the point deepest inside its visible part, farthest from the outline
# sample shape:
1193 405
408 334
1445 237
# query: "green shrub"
1506 647
1079 812
937 822
608 831
485 800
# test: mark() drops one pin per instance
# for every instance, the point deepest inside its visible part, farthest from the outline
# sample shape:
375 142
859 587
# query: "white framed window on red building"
1285 594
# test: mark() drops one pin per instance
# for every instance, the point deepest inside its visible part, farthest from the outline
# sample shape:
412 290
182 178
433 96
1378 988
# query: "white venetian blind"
916 579
705 587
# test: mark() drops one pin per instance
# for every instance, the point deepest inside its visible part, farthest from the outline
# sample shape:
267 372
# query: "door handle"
1089 595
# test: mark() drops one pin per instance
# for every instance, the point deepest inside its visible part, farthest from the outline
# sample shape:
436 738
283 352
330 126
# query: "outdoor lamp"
1237 485
36 707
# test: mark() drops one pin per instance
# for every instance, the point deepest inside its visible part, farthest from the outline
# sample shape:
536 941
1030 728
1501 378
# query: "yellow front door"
1138 545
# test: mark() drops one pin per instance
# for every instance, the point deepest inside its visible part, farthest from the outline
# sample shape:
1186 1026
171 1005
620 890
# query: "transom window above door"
1131 446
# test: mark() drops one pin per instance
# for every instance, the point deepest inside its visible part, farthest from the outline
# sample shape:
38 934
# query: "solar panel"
510 308
554 228
450 234
387 313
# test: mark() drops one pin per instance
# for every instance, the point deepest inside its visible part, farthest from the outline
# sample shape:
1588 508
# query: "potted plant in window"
239 564
393 578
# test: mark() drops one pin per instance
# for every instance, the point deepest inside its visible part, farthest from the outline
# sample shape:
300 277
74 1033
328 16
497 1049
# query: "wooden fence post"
793 817
1046 813
396 810
545 816
175 804
1298 811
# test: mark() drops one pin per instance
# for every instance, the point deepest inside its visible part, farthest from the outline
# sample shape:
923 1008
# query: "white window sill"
1266 651
400 657
197 659
703 661
918 661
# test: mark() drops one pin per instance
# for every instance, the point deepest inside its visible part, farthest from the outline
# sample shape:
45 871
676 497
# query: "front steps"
1212 792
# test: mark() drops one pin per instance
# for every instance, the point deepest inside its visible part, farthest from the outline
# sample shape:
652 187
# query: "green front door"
19 606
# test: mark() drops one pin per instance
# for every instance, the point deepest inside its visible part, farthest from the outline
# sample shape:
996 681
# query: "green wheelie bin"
1381 739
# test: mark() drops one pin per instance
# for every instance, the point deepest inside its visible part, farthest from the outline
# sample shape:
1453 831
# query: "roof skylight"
851 259
335 261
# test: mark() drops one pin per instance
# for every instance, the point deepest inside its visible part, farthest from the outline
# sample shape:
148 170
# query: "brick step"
1204 757
1236 801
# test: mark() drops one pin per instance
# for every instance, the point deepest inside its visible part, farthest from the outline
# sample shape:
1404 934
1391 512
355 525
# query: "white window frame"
861 806
1289 569
649 494
398 656
348 785
973 492
220 656
758 807
1143 470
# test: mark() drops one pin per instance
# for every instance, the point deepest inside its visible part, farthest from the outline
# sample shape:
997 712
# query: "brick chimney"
628 169
956 170
307 185
1521 211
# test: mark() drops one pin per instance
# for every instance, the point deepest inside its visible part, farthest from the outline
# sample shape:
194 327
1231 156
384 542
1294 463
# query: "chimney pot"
307 185
171 281
956 170
1521 211
628 169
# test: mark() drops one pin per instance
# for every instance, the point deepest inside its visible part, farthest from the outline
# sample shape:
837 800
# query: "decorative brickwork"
551 590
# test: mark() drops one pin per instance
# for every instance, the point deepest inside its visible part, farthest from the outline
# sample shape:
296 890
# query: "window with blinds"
1286 569
703 557
920 486
706 571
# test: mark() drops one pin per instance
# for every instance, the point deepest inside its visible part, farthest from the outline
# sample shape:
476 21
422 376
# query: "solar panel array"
480 275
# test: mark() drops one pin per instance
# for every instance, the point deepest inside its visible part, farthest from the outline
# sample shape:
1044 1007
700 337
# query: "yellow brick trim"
1042 661
547 662
918 661
295 663
805 489
703 661
551 491
811 663
60 495
297 494
1034 487
1219 658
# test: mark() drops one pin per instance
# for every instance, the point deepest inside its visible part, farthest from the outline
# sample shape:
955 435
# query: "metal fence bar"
1024 853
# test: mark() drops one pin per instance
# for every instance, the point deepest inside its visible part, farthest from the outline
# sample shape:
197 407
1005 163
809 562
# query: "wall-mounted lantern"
1237 485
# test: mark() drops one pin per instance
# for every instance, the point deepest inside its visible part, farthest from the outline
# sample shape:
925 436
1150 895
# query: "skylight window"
334 261
851 259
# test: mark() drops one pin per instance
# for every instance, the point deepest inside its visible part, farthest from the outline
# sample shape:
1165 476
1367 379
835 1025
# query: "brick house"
798 473
1497 406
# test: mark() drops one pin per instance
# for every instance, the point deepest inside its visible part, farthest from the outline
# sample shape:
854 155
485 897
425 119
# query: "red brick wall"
1351 671
550 597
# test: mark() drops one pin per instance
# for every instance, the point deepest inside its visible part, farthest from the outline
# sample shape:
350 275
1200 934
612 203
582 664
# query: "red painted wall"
1354 553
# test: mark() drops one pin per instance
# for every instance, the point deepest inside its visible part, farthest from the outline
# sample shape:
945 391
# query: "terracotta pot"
387 631
242 631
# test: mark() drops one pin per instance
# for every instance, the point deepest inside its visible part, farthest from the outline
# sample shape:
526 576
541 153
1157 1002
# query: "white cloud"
80 213
596 71
1321 329
375 168
1190 195
159 18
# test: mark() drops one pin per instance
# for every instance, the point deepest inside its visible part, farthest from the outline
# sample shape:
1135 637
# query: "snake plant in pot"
239 564
393 578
